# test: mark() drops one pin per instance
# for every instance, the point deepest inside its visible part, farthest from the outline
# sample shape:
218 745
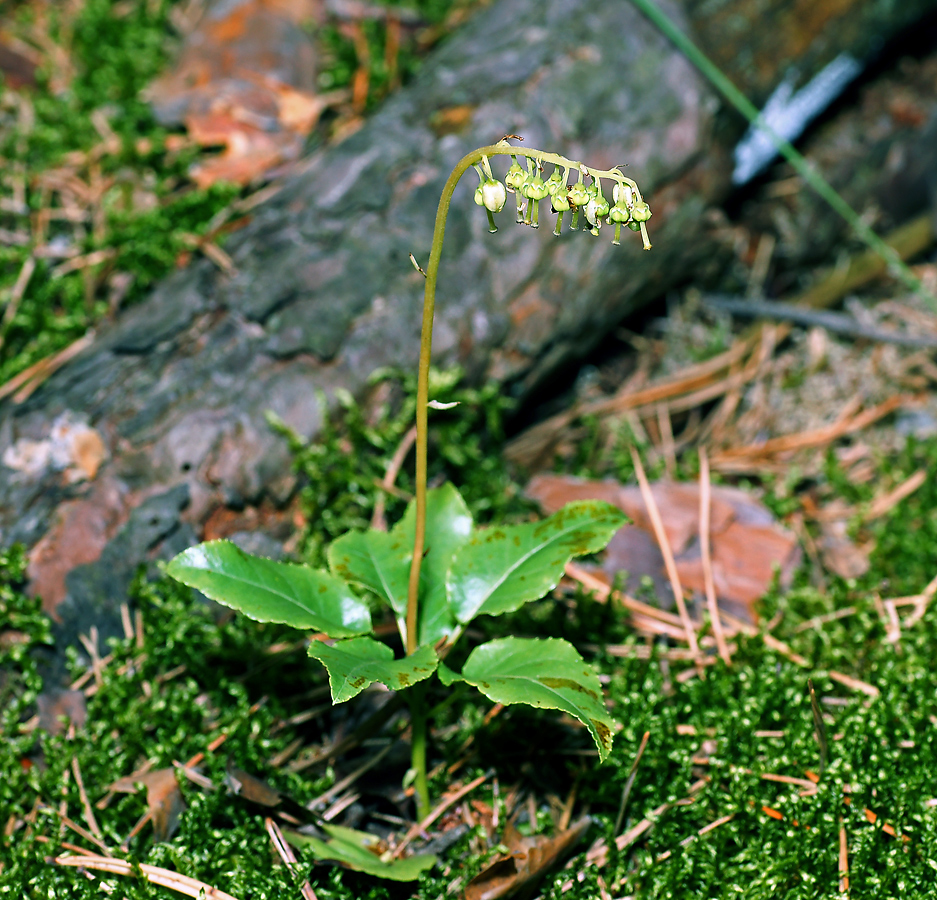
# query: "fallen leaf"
57 706
839 553
530 858
163 798
747 542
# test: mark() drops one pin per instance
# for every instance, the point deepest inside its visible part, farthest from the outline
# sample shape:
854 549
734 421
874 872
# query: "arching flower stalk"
491 194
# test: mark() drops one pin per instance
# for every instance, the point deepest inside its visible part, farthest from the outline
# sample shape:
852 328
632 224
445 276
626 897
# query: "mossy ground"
881 751
730 727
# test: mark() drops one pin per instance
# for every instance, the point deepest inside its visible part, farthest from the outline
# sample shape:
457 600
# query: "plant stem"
417 692
426 340
418 749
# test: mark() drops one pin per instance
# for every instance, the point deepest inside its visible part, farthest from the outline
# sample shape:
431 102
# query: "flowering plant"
434 570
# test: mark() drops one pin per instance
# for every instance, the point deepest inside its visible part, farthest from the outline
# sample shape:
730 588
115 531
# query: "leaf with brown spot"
546 673
498 570
356 663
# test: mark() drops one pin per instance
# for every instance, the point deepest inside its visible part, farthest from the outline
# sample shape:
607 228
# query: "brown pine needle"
706 556
86 806
447 801
843 860
664 544
285 853
182 884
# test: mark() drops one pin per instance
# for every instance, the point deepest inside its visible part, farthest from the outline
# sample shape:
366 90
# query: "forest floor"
797 765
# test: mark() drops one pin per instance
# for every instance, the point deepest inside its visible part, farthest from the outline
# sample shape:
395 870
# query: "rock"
322 290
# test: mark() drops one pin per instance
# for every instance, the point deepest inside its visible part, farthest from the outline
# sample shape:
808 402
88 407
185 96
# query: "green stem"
418 749
728 90
426 340
417 693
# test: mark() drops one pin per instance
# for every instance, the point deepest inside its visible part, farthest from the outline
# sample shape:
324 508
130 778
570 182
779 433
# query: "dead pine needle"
661 535
182 884
843 860
706 557
378 520
285 852
626 791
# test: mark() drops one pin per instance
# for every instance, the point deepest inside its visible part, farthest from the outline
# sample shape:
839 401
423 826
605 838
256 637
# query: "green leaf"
501 568
380 561
546 673
377 561
355 664
360 851
448 527
270 591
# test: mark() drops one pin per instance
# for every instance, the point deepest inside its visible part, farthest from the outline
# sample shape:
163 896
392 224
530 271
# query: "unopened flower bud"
493 195
640 212
578 194
515 176
622 193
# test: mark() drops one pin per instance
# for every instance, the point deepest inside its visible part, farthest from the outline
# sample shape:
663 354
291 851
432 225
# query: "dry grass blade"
664 544
23 384
652 619
843 860
86 805
741 459
707 376
706 556
888 501
182 884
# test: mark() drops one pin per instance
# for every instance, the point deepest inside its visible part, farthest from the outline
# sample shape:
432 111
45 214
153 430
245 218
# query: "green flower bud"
479 197
619 213
560 201
640 212
556 181
515 176
535 188
578 194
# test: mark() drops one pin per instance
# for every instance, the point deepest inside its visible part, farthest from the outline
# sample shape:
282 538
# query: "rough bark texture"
324 292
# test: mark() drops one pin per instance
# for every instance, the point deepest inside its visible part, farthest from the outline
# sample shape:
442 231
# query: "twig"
706 556
378 521
836 322
664 544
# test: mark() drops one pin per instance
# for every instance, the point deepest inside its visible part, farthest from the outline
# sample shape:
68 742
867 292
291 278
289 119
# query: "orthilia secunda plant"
435 570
